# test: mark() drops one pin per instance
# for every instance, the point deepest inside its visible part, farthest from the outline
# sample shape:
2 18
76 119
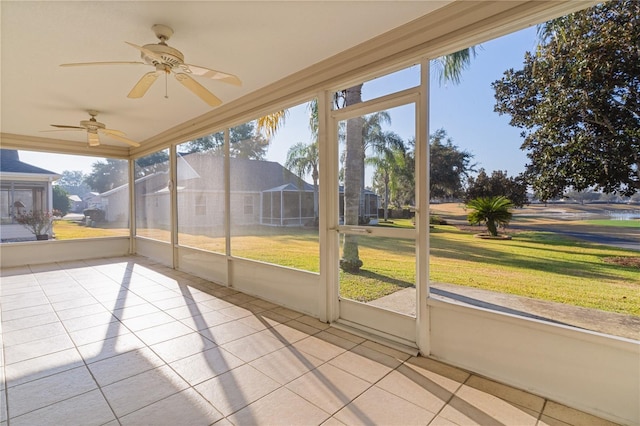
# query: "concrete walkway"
404 301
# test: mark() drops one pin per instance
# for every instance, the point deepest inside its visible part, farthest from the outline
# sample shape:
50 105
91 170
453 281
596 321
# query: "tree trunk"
386 197
353 170
491 227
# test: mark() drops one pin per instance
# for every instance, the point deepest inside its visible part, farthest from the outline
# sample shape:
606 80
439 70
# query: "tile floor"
129 342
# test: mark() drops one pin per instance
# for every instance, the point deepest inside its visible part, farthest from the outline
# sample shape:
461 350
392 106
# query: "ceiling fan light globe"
93 138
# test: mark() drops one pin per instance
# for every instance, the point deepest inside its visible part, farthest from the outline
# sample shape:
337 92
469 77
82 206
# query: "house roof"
364 191
201 171
290 187
246 175
10 163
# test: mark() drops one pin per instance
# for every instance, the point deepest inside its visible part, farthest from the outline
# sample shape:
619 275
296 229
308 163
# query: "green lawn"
389 265
70 230
541 265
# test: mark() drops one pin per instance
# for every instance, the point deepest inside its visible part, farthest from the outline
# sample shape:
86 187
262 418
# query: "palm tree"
303 159
389 163
372 136
353 180
451 69
490 210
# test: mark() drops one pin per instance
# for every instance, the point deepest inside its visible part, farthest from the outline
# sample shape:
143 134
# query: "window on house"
200 205
248 204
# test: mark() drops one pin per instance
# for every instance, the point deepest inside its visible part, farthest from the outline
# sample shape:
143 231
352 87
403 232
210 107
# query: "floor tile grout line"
4 374
544 404
164 363
513 403
280 386
146 346
189 386
75 347
317 367
383 377
453 394
84 361
370 385
192 386
53 403
26 307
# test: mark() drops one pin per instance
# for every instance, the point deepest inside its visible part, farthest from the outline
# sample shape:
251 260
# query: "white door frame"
391 326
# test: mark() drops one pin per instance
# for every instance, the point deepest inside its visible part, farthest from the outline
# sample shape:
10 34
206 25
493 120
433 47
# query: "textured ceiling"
260 41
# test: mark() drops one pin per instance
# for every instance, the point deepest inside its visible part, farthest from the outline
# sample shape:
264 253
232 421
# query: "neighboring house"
75 204
262 192
368 210
23 188
90 200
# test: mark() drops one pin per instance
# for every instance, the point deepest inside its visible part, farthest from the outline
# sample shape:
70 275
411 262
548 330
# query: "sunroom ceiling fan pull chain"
166 86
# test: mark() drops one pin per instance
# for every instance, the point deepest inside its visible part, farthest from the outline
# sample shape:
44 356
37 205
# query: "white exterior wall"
35 252
238 215
589 371
160 251
116 206
187 217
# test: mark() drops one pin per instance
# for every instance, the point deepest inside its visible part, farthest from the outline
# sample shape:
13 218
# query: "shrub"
436 220
492 211
38 222
96 215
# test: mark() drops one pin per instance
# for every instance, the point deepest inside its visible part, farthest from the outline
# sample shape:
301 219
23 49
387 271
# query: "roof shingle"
10 163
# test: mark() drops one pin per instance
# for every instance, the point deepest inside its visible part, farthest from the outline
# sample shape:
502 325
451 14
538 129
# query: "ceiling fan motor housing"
92 124
170 56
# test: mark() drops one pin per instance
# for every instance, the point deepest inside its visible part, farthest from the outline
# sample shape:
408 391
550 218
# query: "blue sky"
465 111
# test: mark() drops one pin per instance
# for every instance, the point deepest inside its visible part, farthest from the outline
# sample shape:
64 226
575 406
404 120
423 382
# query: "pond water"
623 214
631 214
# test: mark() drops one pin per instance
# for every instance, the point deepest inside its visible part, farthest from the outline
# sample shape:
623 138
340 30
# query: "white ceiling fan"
167 60
94 128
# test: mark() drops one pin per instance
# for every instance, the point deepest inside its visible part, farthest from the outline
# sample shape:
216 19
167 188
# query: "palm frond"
453 65
270 124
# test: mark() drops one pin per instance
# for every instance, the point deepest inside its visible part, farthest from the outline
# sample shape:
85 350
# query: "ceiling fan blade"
63 130
147 52
93 139
82 64
199 90
143 85
113 132
212 74
62 126
118 135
